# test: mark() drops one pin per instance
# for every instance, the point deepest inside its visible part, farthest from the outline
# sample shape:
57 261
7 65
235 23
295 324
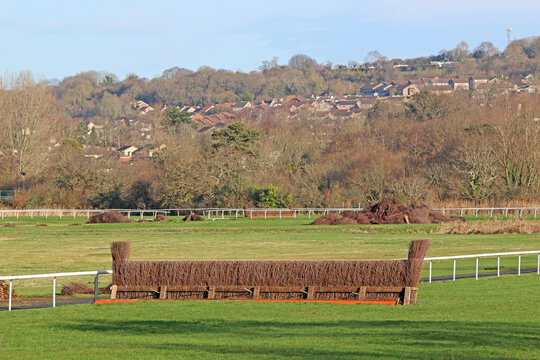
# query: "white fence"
220 213
431 259
54 276
490 211
478 256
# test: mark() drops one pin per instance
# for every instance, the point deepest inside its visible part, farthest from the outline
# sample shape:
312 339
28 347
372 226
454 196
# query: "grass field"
495 318
27 249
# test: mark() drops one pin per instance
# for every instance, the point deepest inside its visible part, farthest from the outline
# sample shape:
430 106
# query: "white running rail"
54 276
478 256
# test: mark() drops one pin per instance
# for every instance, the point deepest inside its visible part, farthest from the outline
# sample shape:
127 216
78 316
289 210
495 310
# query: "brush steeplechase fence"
157 291
363 280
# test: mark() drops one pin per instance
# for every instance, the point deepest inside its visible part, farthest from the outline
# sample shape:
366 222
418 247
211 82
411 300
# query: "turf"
486 319
27 249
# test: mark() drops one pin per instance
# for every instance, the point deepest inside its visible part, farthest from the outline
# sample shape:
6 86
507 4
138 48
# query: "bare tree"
27 121
477 166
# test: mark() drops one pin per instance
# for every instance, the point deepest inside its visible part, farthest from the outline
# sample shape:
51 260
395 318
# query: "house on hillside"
348 104
408 89
371 89
440 89
368 102
459 83
239 106
436 81
207 109
190 109
129 150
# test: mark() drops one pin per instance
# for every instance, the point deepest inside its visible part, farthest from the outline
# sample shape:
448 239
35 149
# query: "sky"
59 38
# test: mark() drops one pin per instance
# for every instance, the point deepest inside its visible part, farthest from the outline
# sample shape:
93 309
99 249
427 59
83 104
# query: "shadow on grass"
334 339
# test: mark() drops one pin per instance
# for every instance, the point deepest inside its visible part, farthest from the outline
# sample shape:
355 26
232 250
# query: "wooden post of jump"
211 292
162 292
256 292
114 289
311 292
362 293
407 296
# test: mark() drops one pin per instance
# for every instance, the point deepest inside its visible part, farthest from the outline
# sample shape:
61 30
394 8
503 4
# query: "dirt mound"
193 217
389 211
80 288
142 220
74 224
108 217
4 291
42 225
161 217
9 225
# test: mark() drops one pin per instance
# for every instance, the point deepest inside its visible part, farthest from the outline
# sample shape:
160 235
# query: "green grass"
27 249
486 319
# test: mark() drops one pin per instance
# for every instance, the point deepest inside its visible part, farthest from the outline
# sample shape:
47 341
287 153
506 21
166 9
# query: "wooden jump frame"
402 295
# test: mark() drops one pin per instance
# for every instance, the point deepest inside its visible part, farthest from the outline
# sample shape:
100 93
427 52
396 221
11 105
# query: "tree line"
436 148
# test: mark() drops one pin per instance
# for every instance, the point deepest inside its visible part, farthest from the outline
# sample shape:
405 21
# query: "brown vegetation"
390 211
161 217
108 217
495 226
80 288
4 291
193 217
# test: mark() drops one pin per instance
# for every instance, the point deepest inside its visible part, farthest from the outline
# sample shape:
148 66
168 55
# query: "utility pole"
509 35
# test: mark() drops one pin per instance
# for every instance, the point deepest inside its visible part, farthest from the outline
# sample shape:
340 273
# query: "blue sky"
58 38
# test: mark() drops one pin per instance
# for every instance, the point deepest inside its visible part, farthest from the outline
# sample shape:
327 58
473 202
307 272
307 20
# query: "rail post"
454 273
96 287
477 268
498 266
10 291
538 264
430 264
54 292
519 265
309 214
